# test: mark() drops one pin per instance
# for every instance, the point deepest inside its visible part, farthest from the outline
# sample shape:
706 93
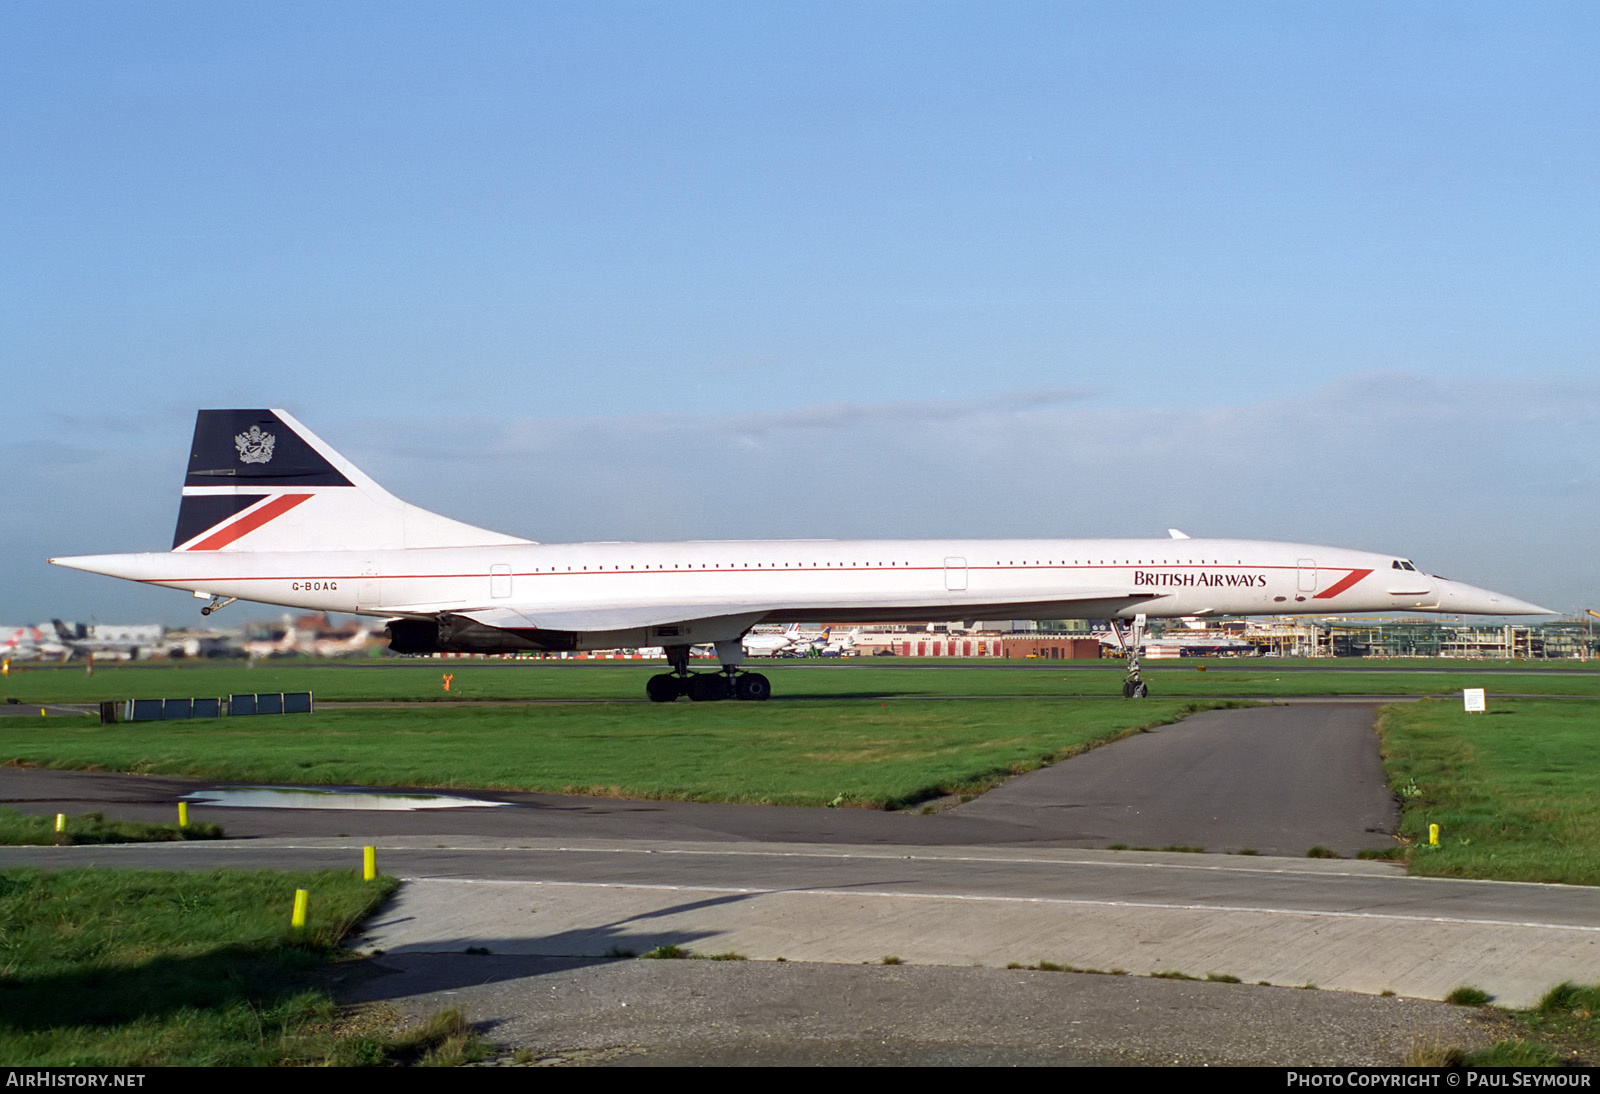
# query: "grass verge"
22 829
412 680
130 968
1562 1031
1515 792
874 754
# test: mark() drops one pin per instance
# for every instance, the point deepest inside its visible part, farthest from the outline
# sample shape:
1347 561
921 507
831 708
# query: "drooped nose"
1456 596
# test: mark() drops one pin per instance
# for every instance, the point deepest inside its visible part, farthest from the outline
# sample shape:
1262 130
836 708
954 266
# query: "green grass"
671 951
851 752
1563 1030
19 828
1515 792
1468 996
445 1039
667 952
847 733
901 678
1566 1021
126 968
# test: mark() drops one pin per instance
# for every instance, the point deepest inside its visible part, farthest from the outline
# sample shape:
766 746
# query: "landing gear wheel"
1131 641
753 686
663 688
707 686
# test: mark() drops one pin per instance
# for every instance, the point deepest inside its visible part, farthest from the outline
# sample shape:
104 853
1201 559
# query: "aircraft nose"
1456 596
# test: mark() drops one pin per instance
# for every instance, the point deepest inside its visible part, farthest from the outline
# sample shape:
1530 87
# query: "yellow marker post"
183 814
369 863
297 920
1433 835
61 822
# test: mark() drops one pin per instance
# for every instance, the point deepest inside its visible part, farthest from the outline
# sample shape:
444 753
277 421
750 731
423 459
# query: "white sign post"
1473 697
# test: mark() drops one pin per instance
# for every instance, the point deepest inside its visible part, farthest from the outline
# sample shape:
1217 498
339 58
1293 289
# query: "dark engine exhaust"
458 634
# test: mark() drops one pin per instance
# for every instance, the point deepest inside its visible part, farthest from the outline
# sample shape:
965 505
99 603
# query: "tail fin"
260 481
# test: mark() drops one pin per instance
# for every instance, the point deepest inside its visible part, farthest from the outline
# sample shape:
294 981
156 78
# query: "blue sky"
1325 273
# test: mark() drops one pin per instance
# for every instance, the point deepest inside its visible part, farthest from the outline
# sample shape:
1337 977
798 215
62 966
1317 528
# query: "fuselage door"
500 580
955 574
1306 582
367 587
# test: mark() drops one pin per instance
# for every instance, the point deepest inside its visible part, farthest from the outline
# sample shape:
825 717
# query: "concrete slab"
1415 937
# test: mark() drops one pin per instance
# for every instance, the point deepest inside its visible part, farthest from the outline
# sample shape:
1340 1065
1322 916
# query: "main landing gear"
702 687
1132 686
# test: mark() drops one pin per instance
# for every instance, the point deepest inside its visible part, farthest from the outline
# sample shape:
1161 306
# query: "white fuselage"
841 581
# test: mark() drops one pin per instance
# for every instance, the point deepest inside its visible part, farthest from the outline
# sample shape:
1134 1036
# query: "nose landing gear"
1133 686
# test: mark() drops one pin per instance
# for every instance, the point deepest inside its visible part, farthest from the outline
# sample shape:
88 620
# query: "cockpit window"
1403 564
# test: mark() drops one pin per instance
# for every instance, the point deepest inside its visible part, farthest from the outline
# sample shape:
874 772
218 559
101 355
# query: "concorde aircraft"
271 513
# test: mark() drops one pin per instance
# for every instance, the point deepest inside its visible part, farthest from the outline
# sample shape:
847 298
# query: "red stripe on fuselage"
250 522
1342 584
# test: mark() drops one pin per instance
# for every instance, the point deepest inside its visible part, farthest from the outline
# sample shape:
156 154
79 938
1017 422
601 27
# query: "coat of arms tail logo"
255 445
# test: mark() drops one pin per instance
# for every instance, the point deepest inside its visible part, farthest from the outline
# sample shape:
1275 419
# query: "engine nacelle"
458 634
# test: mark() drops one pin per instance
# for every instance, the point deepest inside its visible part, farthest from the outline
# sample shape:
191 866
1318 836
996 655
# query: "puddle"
302 797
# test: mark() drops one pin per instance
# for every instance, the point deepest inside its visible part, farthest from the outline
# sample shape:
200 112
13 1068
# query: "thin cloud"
447 438
1453 474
